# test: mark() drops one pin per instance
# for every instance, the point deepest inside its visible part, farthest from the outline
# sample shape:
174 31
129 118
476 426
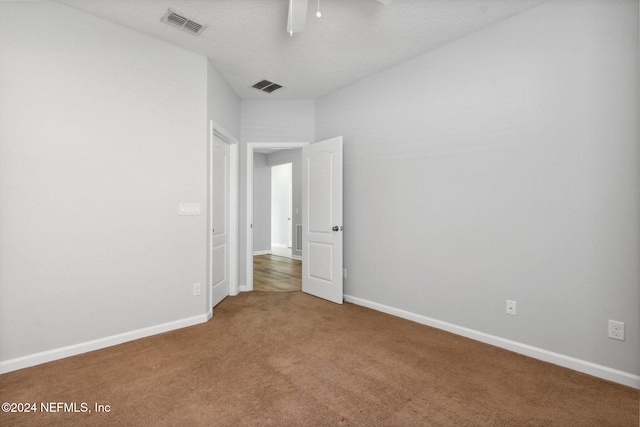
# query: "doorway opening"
274 269
281 210
321 242
261 158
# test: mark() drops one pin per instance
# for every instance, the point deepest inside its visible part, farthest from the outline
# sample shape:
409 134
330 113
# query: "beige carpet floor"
289 359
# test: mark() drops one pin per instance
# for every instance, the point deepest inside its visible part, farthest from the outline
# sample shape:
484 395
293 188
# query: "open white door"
219 219
322 219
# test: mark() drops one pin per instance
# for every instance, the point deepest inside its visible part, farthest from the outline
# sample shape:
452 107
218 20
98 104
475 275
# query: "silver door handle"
335 228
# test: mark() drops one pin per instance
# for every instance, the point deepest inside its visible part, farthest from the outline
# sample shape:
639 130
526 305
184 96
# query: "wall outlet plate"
196 289
189 209
511 308
616 330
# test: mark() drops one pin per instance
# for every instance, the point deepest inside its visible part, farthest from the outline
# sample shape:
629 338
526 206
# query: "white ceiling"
247 41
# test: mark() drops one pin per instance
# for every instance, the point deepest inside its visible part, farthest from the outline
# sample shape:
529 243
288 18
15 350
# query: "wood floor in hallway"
272 273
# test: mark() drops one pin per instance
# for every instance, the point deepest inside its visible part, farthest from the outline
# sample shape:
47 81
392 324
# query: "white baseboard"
85 347
579 365
279 245
255 253
297 257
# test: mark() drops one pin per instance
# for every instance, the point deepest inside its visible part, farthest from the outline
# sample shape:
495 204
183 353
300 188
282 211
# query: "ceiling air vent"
181 21
266 86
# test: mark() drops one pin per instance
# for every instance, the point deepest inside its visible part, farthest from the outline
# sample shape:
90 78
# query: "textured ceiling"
247 41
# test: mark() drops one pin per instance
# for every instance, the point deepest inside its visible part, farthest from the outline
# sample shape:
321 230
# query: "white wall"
503 166
278 121
261 204
280 180
103 132
223 105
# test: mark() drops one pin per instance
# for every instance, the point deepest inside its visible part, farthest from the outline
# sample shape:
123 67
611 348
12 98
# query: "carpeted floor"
290 359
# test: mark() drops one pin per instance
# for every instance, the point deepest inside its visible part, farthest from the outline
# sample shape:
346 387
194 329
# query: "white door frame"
290 213
220 132
249 214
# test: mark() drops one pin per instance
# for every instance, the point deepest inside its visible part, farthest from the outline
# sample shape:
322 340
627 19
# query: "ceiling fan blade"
297 16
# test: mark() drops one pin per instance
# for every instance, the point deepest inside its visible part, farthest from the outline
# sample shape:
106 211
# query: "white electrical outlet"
616 330
196 289
511 307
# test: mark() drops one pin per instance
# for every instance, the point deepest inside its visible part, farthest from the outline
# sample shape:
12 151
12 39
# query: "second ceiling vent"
181 21
266 86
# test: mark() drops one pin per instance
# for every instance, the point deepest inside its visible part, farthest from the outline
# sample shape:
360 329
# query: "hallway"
272 273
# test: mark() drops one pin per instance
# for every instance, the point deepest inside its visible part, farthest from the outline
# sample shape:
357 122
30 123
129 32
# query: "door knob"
335 228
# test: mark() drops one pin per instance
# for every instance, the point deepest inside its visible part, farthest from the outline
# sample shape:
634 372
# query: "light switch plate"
189 209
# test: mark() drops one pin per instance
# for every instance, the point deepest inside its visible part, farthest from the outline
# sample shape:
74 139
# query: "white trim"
255 253
249 213
298 257
279 245
234 237
579 365
85 347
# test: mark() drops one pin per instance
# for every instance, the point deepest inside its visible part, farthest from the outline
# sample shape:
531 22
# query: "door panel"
322 219
219 208
219 270
322 267
320 205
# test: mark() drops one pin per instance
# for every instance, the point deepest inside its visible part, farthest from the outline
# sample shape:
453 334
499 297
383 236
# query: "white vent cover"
181 21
